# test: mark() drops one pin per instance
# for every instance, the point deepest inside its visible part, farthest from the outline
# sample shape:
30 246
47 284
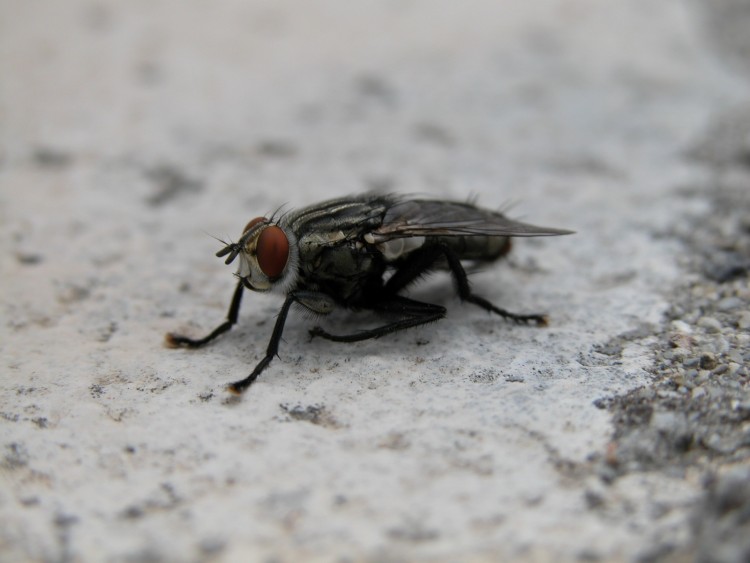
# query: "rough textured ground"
129 133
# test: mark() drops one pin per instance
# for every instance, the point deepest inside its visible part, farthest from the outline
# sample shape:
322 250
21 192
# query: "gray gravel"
695 415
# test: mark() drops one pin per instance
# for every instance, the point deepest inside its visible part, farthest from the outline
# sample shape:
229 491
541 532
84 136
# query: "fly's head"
267 253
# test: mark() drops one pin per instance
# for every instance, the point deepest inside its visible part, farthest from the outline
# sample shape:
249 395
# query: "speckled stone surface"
132 134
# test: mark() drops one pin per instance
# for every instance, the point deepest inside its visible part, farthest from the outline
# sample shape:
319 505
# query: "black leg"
422 260
464 292
413 313
177 340
416 265
272 350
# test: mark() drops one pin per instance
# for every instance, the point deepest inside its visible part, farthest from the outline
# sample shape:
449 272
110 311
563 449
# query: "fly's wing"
418 218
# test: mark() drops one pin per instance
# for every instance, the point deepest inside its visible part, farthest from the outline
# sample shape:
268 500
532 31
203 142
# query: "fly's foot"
172 340
538 320
239 387
236 388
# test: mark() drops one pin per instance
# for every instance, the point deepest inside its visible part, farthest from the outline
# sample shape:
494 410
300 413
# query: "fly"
360 252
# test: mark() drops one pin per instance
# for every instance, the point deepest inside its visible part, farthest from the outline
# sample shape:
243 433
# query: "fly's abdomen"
479 248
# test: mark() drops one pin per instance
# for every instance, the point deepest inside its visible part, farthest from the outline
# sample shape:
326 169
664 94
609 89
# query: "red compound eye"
272 251
252 223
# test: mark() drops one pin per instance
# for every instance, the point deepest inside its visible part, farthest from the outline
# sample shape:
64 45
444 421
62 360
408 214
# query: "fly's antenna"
233 249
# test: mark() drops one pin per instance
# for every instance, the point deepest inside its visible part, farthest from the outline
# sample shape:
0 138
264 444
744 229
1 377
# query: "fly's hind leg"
464 292
412 313
177 340
423 259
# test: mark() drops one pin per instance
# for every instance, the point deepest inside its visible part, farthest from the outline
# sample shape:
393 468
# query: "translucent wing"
416 218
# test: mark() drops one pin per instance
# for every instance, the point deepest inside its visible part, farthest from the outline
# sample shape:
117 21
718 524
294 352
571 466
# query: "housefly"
360 252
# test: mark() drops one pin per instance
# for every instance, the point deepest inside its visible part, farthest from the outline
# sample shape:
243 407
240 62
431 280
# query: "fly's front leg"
315 302
177 340
412 313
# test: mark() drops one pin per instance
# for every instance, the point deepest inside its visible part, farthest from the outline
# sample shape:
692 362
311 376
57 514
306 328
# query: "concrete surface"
131 134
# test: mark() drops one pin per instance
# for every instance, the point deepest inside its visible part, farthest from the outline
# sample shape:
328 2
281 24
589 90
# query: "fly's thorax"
313 241
268 256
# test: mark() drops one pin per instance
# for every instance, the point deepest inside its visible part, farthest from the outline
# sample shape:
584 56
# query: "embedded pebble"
723 368
691 363
682 327
710 324
729 304
708 361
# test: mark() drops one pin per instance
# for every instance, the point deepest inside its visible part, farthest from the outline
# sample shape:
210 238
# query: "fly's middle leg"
411 313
